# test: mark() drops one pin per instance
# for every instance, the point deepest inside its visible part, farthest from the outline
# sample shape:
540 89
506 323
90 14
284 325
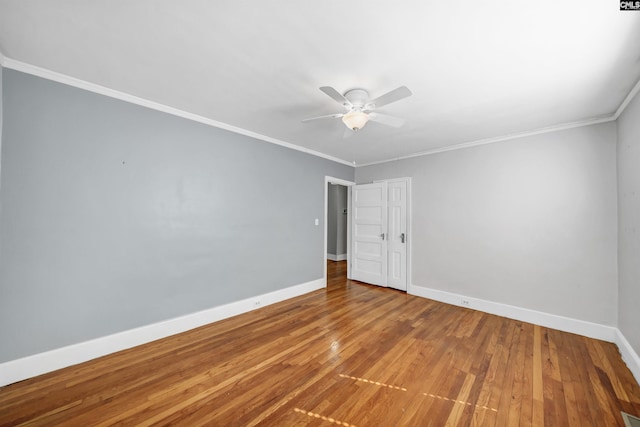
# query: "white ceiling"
477 70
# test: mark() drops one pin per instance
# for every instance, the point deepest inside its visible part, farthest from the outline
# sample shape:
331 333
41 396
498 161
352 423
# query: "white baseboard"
580 327
566 324
30 366
341 257
629 355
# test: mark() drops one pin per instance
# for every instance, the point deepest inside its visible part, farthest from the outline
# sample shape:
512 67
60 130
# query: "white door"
368 231
397 235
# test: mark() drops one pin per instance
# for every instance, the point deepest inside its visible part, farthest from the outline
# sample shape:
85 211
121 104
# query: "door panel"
369 213
397 241
369 267
370 249
369 230
369 255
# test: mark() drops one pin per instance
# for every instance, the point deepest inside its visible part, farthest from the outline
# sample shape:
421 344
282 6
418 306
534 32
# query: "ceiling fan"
360 109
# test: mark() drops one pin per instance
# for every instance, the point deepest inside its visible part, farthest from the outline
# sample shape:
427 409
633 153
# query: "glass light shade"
355 120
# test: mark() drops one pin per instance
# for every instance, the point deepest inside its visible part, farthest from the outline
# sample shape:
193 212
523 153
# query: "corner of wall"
627 100
574 326
627 154
629 356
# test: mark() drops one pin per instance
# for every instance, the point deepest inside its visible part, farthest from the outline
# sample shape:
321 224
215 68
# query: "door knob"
402 237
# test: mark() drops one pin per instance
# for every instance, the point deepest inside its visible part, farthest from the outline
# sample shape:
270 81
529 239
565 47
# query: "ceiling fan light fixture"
360 108
355 120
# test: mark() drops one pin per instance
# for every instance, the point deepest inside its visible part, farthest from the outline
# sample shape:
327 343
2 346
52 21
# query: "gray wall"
629 223
1 116
115 216
530 222
336 220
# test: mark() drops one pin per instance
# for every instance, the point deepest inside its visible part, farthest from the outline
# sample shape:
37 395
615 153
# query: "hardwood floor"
350 355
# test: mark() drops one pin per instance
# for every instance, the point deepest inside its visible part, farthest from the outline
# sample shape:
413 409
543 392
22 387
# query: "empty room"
240 213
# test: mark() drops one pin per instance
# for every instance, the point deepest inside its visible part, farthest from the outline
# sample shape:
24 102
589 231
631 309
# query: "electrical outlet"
256 303
465 302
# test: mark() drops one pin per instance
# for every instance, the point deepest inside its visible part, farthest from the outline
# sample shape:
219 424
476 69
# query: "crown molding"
92 87
507 137
632 93
604 119
102 90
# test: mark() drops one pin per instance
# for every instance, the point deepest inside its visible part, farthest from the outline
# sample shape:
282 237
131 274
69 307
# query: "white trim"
92 87
587 122
336 181
566 324
629 356
627 100
333 257
349 190
492 140
30 366
409 232
339 181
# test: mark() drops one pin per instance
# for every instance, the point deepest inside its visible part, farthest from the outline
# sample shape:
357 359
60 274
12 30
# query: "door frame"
332 180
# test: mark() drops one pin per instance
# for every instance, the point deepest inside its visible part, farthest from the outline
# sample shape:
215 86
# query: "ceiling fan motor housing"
357 98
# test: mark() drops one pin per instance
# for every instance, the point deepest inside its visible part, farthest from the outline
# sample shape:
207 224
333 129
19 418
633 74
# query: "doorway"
337 227
337 222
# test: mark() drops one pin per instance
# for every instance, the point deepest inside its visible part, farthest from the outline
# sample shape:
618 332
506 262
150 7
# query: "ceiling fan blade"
389 97
337 96
386 119
328 116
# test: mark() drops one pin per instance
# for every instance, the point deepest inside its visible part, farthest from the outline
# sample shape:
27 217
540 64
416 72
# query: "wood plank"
538 393
351 354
